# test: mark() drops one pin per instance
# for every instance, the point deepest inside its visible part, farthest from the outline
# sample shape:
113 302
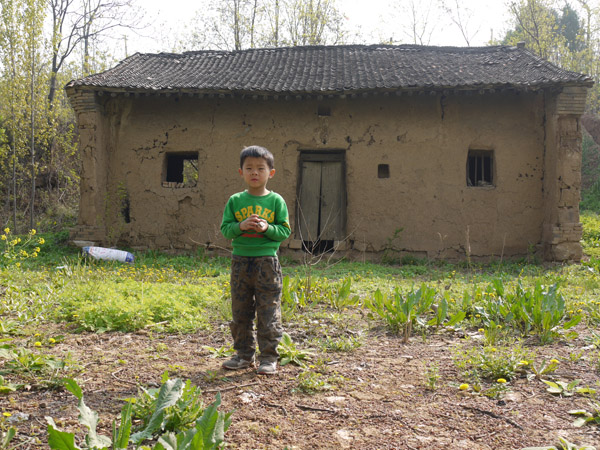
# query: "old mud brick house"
470 151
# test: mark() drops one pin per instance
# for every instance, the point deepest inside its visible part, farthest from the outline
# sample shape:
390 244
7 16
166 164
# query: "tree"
568 37
536 24
242 24
414 20
76 23
460 17
313 22
21 47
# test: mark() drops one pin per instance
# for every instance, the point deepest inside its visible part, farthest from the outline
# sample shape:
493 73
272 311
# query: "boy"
257 221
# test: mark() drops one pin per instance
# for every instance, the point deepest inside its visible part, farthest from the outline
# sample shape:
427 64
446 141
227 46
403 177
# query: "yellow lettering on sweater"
264 213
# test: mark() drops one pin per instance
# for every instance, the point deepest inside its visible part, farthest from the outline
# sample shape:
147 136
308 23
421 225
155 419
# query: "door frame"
333 155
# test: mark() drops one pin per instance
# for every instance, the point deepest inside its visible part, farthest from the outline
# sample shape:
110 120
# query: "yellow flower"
3 237
7 230
464 387
32 232
524 363
37 334
501 380
41 241
554 361
481 330
38 344
6 414
52 340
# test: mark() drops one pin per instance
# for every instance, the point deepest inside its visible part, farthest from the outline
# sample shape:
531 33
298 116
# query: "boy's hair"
255 151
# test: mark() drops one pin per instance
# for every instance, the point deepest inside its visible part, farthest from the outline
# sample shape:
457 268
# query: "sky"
376 19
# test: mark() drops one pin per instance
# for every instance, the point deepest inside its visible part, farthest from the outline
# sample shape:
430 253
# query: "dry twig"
494 415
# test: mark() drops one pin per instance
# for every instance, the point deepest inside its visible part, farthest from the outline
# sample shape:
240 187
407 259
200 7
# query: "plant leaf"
456 318
60 440
72 386
121 436
168 395
8 437
89 418
167 441
578 412
580 421
573 322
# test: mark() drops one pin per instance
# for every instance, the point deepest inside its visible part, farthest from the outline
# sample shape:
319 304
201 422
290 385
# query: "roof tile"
333 69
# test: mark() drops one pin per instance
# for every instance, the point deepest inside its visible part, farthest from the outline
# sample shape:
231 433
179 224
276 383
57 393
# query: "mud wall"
423 140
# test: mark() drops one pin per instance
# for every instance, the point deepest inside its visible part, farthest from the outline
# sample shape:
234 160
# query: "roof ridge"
487 48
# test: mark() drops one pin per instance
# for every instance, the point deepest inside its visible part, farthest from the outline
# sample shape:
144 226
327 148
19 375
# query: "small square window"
323 110
480 168
181 170
383 171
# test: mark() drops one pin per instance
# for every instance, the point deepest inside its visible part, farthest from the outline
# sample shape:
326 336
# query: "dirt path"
378 398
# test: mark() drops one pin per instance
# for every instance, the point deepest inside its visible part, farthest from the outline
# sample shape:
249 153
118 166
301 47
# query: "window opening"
383 171
480 168
181 170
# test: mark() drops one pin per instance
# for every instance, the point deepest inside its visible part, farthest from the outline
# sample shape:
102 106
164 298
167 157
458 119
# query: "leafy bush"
179 416
402 311
125 305
539 310
207 433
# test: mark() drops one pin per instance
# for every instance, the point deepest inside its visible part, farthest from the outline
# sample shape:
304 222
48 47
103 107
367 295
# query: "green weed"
310 382
544 368
491 363
178 416
341 343
587 417
7 433
34 368
432 376
401 311
339 296
208 430
221 352
125 305
290 353
563 444
564 389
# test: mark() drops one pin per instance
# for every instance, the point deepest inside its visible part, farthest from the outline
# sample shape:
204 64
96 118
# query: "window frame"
483 174
174 165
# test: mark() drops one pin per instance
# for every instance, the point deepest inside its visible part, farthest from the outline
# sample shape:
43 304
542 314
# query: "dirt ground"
381 403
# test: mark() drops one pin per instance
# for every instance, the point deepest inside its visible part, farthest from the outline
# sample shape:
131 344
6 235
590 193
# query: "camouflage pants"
256 291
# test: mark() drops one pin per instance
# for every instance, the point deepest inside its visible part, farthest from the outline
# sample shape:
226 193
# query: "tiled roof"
333 69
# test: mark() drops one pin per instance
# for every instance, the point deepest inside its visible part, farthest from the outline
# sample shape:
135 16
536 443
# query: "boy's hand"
254 222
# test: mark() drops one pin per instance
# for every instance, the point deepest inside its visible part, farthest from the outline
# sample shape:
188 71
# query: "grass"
186 292
503 303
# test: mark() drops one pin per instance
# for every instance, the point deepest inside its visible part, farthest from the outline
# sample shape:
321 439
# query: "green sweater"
270 207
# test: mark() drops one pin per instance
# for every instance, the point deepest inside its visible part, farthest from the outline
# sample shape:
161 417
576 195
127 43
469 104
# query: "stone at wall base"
81 244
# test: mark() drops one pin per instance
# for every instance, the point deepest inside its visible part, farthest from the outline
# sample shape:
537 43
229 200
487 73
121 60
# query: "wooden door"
321 213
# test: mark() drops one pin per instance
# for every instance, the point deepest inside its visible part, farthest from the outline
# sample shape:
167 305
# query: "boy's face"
256 172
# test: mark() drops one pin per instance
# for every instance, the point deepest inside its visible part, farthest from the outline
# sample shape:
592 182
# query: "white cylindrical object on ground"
109 254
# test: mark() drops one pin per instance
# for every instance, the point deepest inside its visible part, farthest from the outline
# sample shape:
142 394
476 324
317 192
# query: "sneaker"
237 363
267 368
